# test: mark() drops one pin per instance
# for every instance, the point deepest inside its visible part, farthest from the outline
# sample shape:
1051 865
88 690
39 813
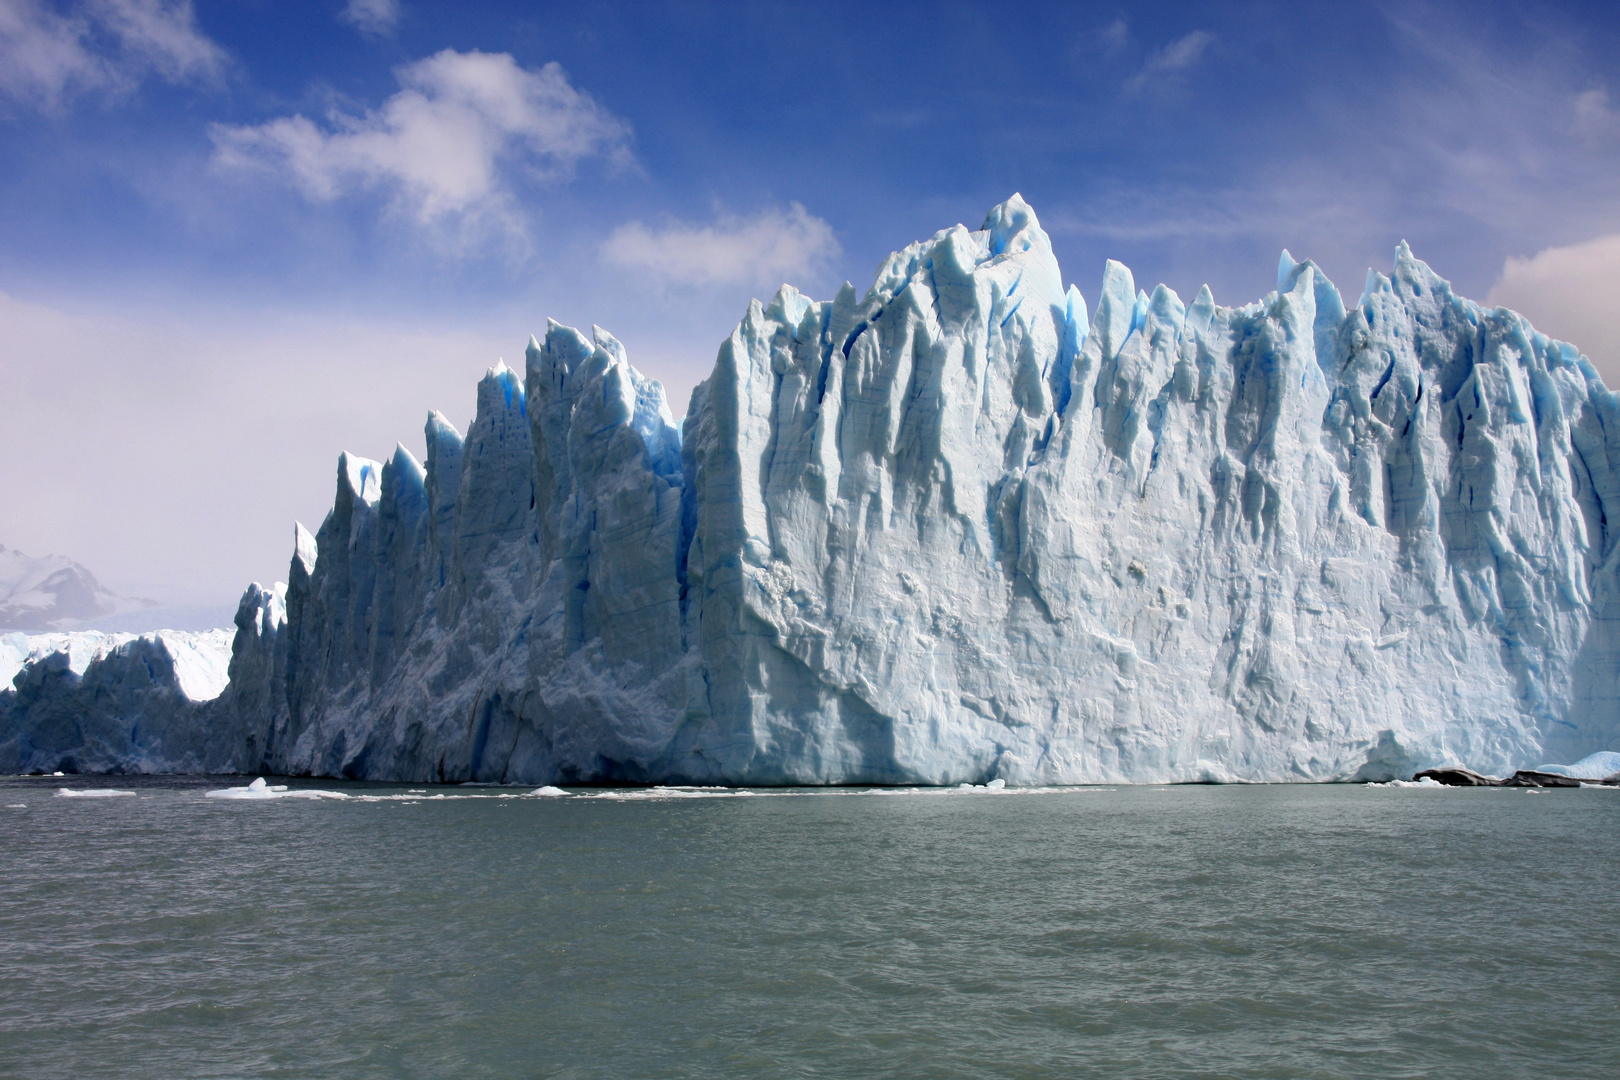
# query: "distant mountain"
52 592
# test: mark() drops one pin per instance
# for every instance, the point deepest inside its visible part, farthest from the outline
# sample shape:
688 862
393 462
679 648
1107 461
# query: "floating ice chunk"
661 792
548 790
260 790
256 790
90 793
1426 782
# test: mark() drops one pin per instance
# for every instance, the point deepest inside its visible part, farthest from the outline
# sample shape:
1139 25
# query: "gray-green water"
1138 932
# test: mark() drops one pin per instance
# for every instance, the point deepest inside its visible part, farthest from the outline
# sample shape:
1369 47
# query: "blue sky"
239 236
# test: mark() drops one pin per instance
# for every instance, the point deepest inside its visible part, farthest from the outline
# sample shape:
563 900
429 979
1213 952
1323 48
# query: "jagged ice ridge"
960 528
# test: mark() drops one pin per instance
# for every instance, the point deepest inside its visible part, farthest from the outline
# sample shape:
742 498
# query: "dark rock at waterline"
1457 777
1531 778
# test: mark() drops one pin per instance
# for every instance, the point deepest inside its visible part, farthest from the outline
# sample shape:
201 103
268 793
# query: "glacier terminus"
966 527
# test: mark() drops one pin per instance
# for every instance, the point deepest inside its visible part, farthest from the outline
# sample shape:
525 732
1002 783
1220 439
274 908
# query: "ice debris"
258 789
964 527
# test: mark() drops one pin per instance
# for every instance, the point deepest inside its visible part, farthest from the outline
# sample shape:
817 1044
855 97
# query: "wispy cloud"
1595 119
376 17
47 56
1463 147
1168 63
1116 36
761 251
442 146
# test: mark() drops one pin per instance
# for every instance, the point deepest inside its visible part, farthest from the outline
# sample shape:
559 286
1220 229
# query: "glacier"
963 528
88 701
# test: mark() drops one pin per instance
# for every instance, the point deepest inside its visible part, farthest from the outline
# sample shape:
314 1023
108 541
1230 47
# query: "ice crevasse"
964 528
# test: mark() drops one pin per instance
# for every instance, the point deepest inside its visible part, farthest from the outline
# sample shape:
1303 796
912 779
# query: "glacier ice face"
1603 765
967 528
200 660
93 702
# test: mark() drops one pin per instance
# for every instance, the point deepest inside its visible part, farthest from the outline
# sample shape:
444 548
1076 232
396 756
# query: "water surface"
1298 931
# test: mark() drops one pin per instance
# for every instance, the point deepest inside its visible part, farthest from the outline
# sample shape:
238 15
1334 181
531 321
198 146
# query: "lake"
1239 931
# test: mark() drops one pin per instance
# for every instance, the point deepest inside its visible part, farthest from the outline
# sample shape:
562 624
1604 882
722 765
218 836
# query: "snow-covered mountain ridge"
54 593
963 527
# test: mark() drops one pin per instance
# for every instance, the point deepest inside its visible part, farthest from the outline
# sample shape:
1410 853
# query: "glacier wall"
964 527
88 701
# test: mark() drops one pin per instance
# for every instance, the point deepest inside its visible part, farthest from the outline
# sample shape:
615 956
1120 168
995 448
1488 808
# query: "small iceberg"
260 790
548 790
90 793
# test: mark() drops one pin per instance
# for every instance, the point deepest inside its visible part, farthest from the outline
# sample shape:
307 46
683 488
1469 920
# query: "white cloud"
1166 63
1570 293
441 144
378 17
763 251
163 36
109 45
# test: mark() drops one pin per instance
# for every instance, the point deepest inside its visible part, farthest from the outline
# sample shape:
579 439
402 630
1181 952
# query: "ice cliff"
94 702
962 528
